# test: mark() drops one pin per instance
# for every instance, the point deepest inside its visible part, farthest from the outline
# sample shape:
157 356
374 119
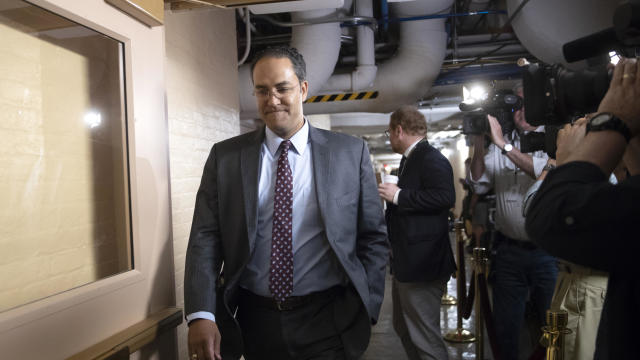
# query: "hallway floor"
385 344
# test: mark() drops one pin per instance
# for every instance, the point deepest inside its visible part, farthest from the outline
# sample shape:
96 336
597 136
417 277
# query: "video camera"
499 103
555 95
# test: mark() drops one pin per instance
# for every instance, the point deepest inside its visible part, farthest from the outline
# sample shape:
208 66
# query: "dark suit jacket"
603 235
225 222
418 225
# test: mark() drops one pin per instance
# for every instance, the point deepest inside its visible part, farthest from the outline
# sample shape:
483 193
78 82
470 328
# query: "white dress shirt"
510 184
406 155
315 265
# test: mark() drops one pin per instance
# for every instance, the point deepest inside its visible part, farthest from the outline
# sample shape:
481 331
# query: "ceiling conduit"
407 76
318 43
365 73
543 28
404 79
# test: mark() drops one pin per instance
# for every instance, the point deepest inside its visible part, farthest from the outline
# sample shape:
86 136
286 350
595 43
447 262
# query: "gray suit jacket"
225 219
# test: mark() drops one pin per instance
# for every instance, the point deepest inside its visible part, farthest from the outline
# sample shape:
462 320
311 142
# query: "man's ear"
304 89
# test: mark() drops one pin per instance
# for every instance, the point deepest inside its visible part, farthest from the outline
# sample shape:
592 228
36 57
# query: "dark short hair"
291 53
410 119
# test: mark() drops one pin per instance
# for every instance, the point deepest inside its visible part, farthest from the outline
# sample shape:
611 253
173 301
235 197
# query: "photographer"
579 216
580 290
519 266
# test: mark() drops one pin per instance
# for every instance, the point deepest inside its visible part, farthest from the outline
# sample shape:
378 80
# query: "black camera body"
475 122
555 96
545 141
500 104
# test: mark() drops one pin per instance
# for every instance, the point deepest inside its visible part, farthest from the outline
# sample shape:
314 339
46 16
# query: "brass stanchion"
553 334
448 299
460 335
480 261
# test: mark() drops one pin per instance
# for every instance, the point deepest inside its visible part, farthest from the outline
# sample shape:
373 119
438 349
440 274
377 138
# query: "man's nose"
272 98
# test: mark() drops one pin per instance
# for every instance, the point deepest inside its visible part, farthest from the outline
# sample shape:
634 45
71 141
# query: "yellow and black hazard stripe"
365 95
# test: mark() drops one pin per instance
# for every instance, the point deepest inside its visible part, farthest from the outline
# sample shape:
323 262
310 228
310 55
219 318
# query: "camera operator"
580 290
519 267
578 216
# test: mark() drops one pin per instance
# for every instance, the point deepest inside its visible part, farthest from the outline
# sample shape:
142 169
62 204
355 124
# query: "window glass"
64 214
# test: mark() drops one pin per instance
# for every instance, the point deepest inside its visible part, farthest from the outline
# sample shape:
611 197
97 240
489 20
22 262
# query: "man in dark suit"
287 252
422 260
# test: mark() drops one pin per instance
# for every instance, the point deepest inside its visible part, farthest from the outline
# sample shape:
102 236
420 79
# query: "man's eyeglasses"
387 133
279 92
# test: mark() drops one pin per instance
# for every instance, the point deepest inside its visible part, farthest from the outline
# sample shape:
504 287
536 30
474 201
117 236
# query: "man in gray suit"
287 253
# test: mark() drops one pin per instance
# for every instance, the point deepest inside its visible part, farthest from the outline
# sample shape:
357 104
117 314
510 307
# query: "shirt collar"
410 148
298 140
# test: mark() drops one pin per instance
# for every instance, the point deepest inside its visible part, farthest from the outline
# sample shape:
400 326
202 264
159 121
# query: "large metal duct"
409 74
401 80
318 43
543 26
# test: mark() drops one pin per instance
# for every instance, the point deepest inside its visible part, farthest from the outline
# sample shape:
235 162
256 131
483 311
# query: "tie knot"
285 145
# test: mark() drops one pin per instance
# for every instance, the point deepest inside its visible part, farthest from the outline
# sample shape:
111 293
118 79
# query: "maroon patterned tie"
281 270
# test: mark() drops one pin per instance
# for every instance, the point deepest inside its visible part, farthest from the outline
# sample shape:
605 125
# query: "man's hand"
623 94
568 139
387 191
204 340
496 132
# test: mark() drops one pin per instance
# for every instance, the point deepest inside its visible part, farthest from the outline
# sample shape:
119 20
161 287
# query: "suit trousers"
416 318
307 331
580 292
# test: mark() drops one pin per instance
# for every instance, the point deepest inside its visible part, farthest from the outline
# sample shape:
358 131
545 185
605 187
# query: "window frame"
39 309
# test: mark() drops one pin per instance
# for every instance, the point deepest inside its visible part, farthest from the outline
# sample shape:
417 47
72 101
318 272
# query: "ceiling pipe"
365 73
484 38
406 77
318 43
247 46
469 51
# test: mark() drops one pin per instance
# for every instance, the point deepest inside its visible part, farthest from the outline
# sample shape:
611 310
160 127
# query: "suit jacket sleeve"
436 192
204 260
371 247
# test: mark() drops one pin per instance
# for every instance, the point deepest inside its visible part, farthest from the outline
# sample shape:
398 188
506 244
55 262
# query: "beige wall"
62 181
457 153
202 103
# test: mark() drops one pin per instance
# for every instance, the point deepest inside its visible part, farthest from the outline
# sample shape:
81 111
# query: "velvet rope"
488 317
465 300
467 305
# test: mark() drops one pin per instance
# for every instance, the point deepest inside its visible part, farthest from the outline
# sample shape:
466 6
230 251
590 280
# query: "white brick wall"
203 109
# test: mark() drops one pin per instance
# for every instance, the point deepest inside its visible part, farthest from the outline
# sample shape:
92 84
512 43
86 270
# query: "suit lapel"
321 155
250 170
410 159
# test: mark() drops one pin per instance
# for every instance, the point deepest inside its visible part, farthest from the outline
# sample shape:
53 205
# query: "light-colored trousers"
581 292
416 318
